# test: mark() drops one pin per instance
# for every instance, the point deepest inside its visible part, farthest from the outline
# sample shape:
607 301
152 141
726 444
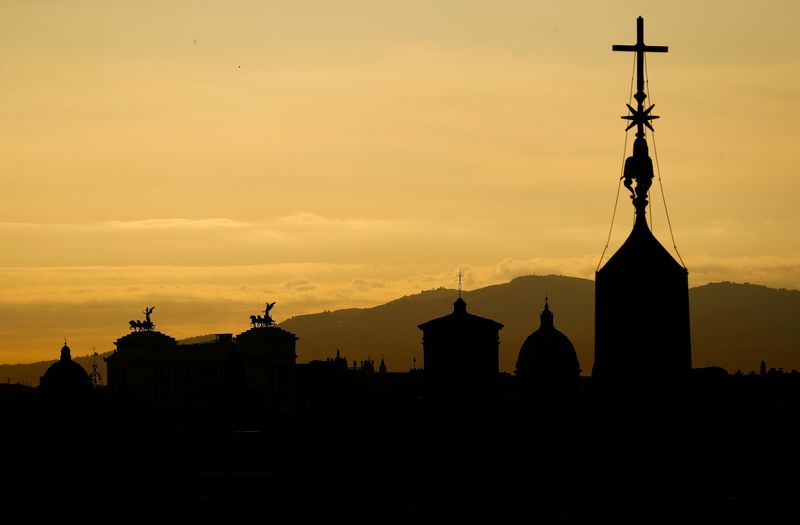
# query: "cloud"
312 222
219 241
300 219
300 284
368 284
311 219
144 224
769 270
336 285
177 223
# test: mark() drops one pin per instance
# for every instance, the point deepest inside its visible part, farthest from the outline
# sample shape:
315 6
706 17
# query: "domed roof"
65 376
547 353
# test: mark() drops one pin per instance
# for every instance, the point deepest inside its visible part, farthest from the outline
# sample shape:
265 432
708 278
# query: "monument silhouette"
151 367
269 357
642 330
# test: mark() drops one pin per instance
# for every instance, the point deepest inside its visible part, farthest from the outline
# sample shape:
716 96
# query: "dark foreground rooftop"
725 449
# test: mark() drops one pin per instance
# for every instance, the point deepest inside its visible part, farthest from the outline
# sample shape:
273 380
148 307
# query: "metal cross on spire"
640 117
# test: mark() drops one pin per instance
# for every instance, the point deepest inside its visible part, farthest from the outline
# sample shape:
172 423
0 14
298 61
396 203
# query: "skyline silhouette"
404 174
733 326
131 160
365 442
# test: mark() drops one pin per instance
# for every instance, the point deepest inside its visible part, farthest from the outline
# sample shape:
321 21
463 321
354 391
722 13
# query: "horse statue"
146 325
256 320
265 321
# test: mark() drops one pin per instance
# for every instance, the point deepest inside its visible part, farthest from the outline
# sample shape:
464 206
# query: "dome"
547 354
65 377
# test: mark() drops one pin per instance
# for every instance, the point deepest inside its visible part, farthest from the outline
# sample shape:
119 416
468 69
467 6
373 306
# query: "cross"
640 117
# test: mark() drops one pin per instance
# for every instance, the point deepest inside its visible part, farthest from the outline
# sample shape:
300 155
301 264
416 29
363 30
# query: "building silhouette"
146 366
269 358
461 355
547 366
333 387
65 381
153 368
642 330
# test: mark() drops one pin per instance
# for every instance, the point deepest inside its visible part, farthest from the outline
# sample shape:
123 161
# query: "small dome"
547 354
66 353
65 377
460 306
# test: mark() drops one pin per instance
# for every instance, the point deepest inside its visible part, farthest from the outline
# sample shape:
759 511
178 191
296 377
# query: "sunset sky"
206 157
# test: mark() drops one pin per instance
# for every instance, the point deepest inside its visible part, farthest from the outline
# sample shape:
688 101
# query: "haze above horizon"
209 158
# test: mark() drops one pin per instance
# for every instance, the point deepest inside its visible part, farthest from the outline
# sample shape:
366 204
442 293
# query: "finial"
639 167
546 316
640 117
460 281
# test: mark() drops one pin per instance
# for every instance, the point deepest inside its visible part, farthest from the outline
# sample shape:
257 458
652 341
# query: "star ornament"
640 117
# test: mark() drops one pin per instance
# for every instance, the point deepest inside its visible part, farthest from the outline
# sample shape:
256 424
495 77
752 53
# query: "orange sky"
206 157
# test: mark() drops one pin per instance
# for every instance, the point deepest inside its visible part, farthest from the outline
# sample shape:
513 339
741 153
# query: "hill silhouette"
734 325
737 325
390 330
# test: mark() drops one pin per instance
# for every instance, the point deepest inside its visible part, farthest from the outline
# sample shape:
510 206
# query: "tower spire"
639 166
650 344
